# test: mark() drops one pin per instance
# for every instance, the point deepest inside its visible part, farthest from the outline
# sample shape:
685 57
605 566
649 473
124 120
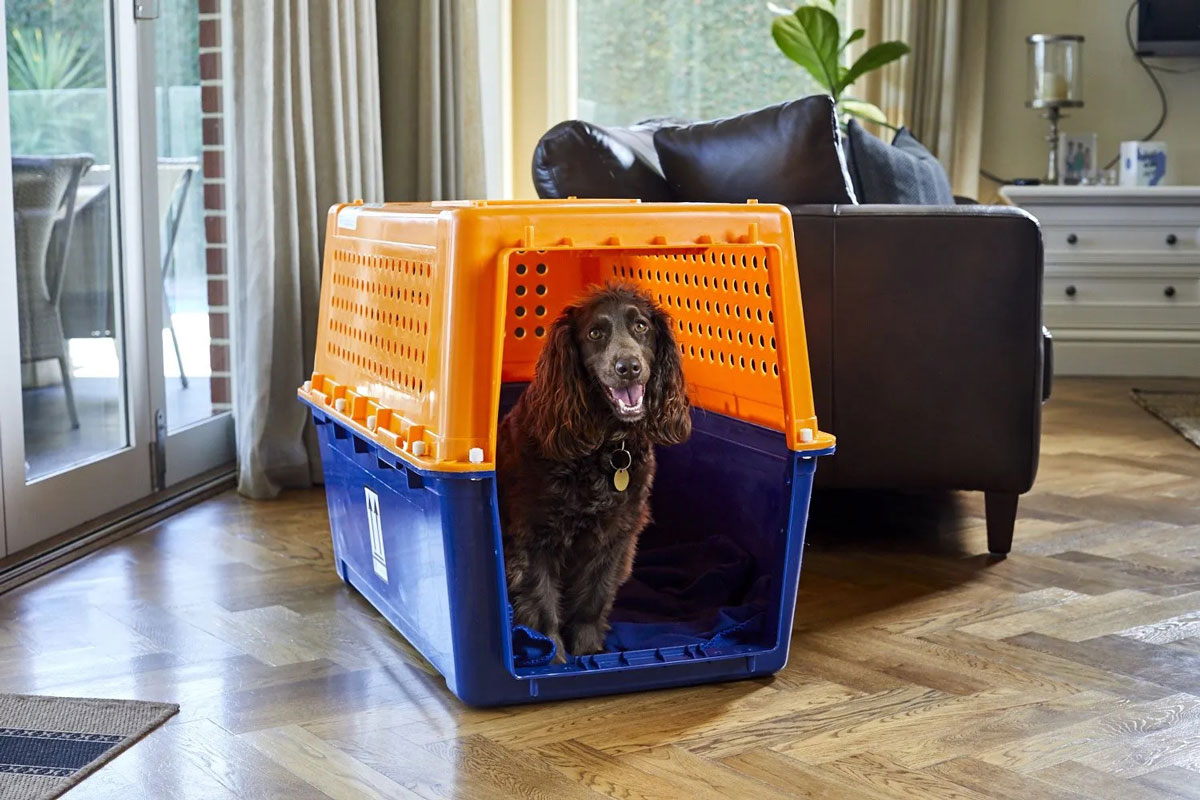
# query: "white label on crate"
348 217
377 556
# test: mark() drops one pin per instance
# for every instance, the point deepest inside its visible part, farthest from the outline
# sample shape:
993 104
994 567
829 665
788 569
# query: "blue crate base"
424 548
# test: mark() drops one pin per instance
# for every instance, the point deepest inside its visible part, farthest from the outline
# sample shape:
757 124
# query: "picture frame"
1076 157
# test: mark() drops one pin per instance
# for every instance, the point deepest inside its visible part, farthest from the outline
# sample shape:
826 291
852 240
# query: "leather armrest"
925 337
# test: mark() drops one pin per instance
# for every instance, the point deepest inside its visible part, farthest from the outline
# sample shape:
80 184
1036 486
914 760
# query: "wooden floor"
919 667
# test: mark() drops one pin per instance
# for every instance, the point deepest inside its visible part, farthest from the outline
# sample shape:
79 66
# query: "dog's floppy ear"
558 397
668 420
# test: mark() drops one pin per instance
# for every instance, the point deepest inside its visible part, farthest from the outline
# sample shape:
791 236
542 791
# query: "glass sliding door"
68 269
191 203
74 403
102 247
196 377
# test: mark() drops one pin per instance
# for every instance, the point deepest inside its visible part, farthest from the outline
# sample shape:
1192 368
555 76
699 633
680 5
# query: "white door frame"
9 346
147 134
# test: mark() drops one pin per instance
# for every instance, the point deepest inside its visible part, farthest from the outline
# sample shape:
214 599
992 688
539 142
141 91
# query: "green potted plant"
48 75
812 37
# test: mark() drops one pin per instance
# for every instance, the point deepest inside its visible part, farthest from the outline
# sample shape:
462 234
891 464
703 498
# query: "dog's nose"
629 367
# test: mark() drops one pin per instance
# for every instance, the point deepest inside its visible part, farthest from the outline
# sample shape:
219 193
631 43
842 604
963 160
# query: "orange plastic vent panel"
426 309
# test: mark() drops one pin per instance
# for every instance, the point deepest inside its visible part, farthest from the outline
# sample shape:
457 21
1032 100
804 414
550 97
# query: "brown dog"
575 462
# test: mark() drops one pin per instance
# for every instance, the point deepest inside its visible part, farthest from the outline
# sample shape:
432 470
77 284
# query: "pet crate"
432 317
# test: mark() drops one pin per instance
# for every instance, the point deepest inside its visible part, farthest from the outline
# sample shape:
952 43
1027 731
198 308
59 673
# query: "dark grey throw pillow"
582 159
789 154
900 173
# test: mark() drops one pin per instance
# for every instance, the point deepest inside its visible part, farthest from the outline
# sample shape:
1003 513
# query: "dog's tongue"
629 395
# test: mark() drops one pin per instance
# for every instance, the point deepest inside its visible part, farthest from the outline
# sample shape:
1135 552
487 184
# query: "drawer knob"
1169 291
1072 238
1071 290
1172 238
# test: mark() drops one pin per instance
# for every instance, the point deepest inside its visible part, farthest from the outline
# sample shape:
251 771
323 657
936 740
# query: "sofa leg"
1001 511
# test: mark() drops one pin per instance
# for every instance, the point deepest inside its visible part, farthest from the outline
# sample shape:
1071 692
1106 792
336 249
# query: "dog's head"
610 361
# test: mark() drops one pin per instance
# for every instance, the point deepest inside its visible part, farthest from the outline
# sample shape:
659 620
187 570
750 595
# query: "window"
696 59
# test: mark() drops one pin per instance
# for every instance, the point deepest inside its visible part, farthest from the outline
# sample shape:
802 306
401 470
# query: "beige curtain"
432 107
306 124
937 90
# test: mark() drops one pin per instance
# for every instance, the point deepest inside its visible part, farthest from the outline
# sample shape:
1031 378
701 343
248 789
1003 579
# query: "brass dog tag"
621 470
621 480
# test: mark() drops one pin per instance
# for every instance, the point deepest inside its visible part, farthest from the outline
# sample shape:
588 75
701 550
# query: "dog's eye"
595 333
640 326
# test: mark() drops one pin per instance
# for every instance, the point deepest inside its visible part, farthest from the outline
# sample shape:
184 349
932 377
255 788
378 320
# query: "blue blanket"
692 593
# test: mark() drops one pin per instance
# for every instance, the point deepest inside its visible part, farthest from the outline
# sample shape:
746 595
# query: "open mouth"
629 400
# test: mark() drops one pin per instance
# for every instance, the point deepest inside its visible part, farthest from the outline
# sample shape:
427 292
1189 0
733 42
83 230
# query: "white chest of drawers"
1122 286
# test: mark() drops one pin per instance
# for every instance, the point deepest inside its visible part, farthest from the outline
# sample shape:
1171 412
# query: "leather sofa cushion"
581 159
788 154
900 173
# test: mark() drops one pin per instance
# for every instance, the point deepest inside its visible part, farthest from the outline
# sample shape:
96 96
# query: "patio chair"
174 178
44 200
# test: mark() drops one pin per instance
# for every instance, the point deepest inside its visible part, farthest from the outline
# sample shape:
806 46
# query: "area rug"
1180 410
49 744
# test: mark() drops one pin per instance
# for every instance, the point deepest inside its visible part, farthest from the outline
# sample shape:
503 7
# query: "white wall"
543 79
1119 100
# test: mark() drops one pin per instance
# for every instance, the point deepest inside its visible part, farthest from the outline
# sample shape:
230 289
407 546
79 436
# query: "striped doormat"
49 744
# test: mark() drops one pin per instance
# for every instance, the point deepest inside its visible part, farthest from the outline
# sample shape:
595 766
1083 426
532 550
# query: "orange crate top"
427 308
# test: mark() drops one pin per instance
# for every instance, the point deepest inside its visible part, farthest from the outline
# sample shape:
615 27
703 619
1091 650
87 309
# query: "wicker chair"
43 200
88 302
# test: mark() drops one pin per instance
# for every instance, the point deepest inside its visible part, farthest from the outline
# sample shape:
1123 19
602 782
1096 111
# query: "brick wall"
213 125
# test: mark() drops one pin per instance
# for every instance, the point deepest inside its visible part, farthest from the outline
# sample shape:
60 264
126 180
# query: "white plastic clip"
371 422
339 404
418 449
806 435
475 455
308 386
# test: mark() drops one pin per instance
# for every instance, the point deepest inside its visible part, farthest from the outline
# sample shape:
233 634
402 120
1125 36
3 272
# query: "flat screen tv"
1168 28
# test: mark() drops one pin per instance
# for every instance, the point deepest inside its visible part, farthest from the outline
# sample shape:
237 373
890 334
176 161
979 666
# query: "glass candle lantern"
1055 82
1055 70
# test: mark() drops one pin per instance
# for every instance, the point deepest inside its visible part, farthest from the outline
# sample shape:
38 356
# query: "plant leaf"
40 62
852 38
827 5
810 38
863 110
874 58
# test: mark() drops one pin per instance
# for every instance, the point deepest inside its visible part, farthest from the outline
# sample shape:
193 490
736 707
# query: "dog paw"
560 651
587 639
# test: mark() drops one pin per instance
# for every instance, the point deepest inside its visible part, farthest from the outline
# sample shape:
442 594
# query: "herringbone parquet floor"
919 668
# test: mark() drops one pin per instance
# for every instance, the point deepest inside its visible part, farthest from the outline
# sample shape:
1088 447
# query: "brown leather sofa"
929 360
